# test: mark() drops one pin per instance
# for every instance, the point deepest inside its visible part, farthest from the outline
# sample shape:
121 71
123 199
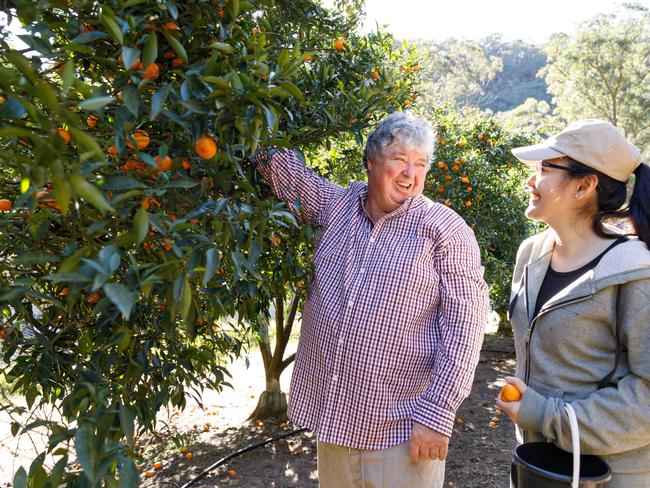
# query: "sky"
532 21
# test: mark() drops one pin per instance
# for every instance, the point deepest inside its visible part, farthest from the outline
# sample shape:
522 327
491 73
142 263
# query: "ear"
587 185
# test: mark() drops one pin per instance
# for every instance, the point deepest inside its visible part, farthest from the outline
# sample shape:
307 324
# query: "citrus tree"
476 174
138 245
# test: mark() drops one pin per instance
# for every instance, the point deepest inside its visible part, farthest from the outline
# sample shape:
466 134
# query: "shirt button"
362 270
335 378
349 303
372 239
340 341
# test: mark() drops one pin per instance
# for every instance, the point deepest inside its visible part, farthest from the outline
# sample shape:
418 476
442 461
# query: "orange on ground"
151 72
141 138
148 474
232 473
64 134
157 465
189 455
206 147
164 163
509 393
339 44
6 205
183 449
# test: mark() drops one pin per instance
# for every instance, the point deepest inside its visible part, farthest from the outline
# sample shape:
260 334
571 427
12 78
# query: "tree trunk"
504 325
272 403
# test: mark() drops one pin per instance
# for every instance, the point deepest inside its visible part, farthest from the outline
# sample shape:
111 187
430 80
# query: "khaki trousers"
342 467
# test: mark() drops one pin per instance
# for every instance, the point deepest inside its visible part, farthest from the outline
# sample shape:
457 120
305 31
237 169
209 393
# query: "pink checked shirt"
395 316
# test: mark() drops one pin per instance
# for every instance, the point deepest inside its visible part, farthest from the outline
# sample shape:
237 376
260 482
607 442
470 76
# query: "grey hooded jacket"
569 347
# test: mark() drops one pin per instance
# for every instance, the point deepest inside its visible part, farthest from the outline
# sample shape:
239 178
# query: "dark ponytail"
640 203
611 200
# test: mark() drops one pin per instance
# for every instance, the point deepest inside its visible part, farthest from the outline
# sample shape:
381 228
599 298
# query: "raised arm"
305 193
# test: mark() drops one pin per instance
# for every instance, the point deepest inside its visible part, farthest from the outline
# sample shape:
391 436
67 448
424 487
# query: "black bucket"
543 465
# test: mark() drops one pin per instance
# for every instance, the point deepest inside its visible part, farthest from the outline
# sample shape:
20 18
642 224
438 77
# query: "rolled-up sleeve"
463 313
307 194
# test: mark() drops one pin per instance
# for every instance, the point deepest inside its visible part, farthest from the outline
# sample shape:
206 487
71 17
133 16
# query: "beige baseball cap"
595 143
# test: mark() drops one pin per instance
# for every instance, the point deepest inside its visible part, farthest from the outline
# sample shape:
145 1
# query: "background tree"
139 248
603 71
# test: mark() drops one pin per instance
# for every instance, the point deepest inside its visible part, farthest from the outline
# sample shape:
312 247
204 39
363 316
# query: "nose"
409 171
530 182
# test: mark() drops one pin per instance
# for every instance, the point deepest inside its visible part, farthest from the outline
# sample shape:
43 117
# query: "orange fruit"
464 180
6 205
148 474
459 421
120 96
168 247
468 203
164 163
95 298
232 473
112 151
309 58
447 177
186 164
141 138
339 44
176 62
157 465
407 102
2 99
188 455
64 134
91 121
481 137
448 202
455 168
151 72
206 147
509 393
145 203
64 292
442 165
375 74
469 188
183 449
171 25
169 55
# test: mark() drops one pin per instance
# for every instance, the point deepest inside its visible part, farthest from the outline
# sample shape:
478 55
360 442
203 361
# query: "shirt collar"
411 203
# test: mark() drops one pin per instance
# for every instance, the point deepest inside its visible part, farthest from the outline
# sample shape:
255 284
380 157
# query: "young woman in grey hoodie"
580 302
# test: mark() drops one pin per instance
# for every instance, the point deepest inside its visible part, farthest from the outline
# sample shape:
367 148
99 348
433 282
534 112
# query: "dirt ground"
479 456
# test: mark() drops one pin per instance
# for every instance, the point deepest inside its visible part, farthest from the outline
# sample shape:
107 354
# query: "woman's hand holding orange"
509 399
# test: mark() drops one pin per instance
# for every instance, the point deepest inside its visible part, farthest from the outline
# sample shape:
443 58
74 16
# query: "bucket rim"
556 476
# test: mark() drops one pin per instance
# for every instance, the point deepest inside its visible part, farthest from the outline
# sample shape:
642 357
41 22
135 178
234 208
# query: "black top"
554 281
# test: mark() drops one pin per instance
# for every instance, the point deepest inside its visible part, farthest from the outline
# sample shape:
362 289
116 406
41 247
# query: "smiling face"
394 177
550 192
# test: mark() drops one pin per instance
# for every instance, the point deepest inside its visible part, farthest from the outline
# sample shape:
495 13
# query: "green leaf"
234 8
20 478
86 453
70 264
62 193
122 297
129 477
36 257
140 225
88 142
89 192
150 49
93 104
176 46
131 99
113 28
211 260
113 183
48 96
127 421
158 100
186 300
223 47
12 109
21 62
130 57
68 75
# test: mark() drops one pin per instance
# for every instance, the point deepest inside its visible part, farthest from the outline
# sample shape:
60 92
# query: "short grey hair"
400 127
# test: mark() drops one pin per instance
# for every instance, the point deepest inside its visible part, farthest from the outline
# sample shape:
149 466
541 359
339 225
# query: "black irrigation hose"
240 452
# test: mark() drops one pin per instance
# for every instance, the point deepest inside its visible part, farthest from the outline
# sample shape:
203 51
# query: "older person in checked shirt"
395 316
